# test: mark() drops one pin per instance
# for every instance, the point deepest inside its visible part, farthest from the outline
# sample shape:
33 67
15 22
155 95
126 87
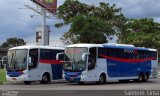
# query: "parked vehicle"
33 63
107 62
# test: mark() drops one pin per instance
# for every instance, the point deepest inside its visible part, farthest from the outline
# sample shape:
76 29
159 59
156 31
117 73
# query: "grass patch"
2 76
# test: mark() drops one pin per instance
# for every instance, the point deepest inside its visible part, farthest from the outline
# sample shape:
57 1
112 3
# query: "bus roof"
126 46
31 47
85 45
112 45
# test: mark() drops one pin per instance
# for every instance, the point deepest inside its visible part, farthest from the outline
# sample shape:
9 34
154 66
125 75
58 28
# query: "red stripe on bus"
50 61
127 60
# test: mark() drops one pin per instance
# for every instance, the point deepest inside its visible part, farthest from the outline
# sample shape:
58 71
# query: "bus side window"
92 58
154 54
33 54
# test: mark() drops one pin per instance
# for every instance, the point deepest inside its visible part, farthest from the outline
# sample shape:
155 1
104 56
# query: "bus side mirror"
29 60
58 56
84 56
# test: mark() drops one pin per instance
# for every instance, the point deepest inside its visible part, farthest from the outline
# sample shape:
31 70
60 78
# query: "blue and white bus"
33 63
107 62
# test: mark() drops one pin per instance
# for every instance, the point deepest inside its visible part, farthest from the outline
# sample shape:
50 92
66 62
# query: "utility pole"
44 27
42 34
43 30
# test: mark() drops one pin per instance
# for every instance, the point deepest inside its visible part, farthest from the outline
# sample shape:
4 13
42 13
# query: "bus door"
154 64
33 72
92 59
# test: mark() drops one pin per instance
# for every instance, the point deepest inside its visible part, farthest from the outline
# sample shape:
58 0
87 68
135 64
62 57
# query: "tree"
12 42
88 30
96 22
141 32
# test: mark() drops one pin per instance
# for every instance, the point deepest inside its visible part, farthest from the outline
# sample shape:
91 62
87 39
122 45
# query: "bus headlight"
84 73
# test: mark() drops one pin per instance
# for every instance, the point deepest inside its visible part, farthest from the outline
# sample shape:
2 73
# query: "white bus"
106 62
33 63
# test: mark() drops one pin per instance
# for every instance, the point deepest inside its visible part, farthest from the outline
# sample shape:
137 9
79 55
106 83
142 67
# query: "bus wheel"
27 82
102 79
45 79
146 77
140 77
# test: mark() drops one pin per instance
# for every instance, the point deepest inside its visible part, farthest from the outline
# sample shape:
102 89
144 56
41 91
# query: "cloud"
139 8
17 23
13 21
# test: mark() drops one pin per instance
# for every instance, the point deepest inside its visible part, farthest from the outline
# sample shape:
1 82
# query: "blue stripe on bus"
56 71
73 76
122 69
14 74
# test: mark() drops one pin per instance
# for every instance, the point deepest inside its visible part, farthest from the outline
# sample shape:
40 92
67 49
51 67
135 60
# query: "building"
3 52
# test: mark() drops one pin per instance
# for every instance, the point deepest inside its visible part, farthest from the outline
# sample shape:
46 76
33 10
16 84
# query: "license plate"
13 78
71 79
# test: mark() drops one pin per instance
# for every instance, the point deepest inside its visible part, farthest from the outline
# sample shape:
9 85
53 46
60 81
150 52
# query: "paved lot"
62 88
152 84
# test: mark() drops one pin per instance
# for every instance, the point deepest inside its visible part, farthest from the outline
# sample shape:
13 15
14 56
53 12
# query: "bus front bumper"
20 78
80 78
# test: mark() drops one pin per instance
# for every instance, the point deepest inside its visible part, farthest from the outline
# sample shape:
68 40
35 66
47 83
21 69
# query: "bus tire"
45 78
27 82
140 77
102 79
146 77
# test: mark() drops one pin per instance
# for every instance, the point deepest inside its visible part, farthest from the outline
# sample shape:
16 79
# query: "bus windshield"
17 60
73 59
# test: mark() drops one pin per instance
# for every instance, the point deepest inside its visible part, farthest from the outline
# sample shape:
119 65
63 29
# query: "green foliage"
142 25
144 40
85 28
141 32
11 42
96 22
2 76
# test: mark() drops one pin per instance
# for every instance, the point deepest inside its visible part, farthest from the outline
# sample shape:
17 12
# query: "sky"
16 21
